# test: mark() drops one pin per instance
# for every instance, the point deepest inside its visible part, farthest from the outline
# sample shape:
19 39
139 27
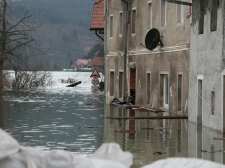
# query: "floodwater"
75 119
148 140
57 117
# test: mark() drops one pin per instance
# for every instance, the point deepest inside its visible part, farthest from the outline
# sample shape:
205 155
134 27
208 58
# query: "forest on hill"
63 35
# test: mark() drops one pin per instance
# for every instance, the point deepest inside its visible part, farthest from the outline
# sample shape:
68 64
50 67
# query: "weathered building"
207 64
157 78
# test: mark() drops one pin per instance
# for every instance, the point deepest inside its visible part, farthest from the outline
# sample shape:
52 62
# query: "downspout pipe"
125 52
105 47
96 32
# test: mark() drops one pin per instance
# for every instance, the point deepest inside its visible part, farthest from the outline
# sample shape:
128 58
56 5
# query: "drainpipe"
105 46
125 52
96 32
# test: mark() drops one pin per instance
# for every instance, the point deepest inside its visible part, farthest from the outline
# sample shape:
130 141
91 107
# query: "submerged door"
132 85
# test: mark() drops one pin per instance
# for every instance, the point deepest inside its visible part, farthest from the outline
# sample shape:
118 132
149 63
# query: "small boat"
74 84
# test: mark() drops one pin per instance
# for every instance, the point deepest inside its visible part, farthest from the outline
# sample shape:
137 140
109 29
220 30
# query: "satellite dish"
152 39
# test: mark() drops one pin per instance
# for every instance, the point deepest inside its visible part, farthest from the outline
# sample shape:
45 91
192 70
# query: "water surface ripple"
56 117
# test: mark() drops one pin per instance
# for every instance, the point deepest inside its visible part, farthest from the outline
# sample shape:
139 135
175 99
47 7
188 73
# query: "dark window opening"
179 92
214 14
121 23
120 84
133 20
201 23
111 26
212 102
201 17
111 83
148 87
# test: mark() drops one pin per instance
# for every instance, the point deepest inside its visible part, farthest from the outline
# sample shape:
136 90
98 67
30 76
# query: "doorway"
132 85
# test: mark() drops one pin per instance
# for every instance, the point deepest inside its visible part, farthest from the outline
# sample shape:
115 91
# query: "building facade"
207 65
157 78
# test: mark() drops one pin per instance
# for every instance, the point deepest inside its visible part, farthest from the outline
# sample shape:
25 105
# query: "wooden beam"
149 118
145 109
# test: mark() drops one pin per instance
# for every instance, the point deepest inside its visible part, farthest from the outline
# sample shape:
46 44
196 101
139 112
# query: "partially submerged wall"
206 65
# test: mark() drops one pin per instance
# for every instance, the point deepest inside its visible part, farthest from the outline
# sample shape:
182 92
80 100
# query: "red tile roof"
97 61
97 22
81 63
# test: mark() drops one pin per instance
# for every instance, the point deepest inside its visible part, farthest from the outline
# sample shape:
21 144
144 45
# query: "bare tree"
16 38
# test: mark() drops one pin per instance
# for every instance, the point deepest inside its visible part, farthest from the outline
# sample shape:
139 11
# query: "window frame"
112 82
121 23
149 18
163 19
111 26
148 86
180 15
164 97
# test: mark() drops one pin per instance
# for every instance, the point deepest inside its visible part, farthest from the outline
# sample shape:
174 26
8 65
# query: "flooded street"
147 140
75 119
59 117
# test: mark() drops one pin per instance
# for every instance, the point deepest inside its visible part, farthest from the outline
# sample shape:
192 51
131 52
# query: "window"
201 23
199 115
179 92
133 20
213 24
111 26
149 15
164 90
121 23
201 18
111 83
120 84
148 87
212 102
180 13
163 12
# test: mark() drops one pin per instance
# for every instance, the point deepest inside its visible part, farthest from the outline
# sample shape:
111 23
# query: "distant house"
98 63
80 64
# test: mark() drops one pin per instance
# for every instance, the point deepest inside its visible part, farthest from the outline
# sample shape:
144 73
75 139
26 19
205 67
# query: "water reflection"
205 143
148 140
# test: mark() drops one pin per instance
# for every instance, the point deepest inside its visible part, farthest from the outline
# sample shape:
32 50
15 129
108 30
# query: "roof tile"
97 21
97 61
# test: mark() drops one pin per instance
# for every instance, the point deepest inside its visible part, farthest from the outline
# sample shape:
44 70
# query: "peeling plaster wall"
206 59
173 58
173 63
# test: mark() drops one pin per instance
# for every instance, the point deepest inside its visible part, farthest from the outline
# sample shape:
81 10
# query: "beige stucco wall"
207 63
172 58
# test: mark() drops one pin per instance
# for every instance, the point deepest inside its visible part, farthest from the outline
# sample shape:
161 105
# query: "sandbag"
13 155
180 162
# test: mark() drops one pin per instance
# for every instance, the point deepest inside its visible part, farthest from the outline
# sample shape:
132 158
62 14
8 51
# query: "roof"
97 61
81 63
97 21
